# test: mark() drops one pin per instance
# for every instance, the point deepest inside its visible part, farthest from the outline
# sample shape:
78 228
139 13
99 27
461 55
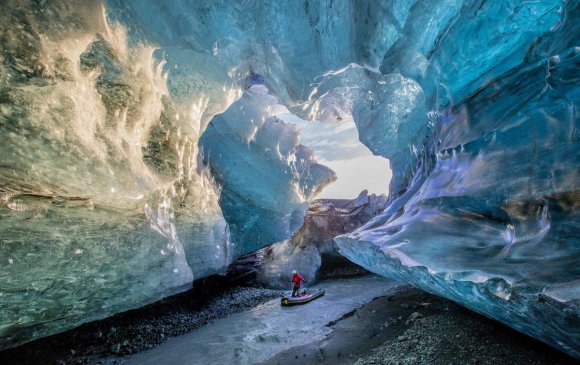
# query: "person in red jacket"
297 279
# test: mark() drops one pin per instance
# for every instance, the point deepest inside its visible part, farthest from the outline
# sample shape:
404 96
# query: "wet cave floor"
361 320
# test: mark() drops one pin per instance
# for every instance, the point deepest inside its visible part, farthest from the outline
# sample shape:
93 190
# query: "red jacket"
296 279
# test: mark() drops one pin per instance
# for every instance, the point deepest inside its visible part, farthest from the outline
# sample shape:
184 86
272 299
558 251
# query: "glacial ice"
267 177
484 206
106 202
102 207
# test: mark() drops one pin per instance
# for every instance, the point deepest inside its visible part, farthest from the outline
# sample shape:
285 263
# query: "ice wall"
103 206
105 202
485 198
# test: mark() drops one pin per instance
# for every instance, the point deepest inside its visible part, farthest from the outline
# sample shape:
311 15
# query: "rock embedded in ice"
313 245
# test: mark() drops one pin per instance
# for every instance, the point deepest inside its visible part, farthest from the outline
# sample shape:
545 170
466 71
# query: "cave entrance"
337 146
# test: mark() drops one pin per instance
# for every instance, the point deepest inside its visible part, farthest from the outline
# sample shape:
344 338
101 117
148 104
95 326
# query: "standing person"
297 279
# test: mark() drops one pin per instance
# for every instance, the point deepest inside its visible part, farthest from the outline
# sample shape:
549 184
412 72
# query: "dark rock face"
312 251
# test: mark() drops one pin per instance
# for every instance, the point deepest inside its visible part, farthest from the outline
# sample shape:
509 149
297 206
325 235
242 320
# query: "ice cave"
146 144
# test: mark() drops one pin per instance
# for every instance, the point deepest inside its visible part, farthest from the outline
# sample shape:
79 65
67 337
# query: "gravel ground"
140 329
410 327
461 338
448 338
413 327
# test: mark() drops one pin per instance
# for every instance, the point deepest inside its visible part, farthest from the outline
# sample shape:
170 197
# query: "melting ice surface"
106 202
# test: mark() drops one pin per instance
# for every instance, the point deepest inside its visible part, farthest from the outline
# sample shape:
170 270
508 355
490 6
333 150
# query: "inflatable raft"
302 298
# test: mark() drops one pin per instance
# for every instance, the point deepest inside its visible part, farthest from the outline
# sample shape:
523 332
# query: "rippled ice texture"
484 205
106 204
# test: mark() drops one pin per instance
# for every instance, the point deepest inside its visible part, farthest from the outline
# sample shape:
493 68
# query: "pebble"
413 317
319 354
144 332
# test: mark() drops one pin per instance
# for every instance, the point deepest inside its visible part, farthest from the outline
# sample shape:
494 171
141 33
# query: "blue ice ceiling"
137 155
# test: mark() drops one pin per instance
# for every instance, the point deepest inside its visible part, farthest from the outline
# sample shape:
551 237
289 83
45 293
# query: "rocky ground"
409 327
414 327
140 329
311 250
335 268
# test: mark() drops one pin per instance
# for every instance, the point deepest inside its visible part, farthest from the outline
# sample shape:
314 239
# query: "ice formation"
267 176
102 205
312 249
484 204
107 201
